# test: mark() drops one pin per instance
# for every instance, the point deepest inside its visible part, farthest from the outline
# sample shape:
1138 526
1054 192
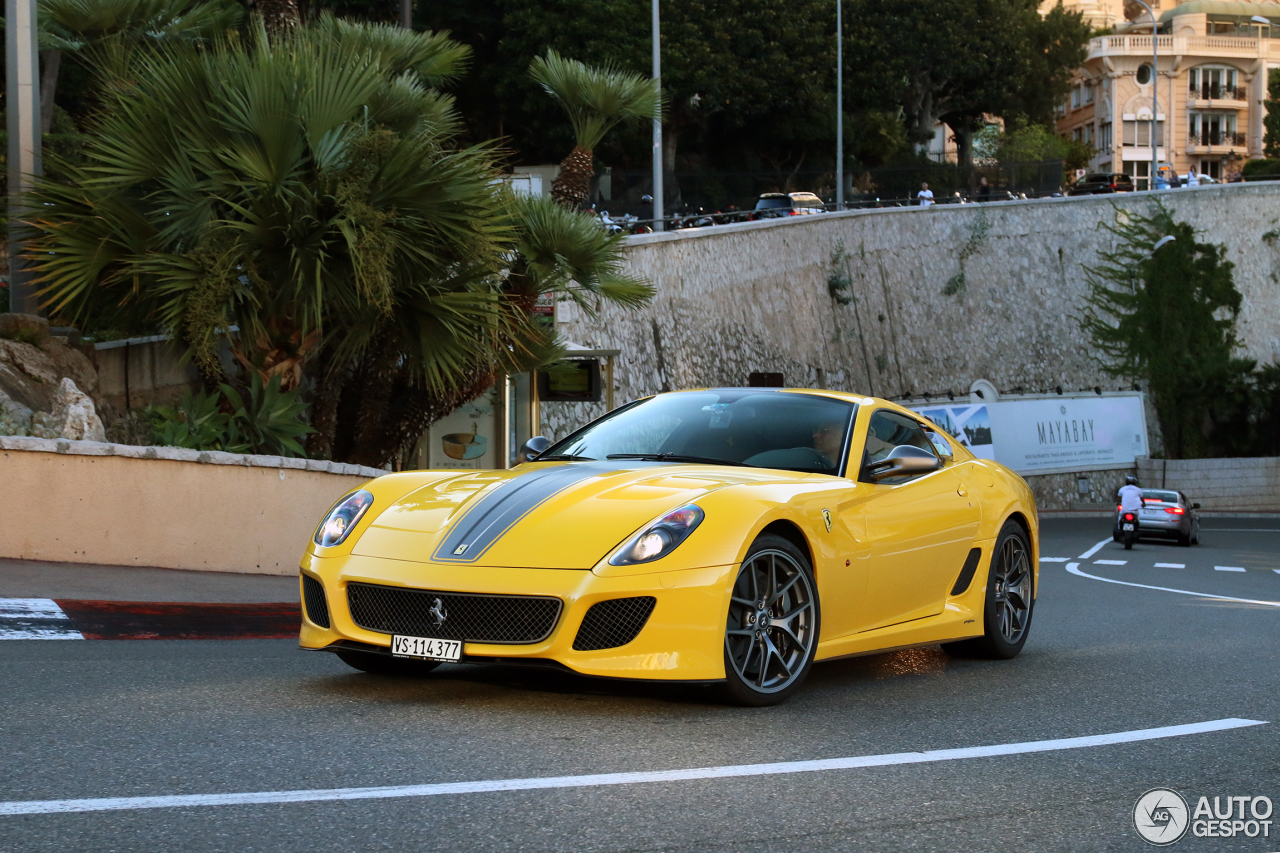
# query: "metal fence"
729 194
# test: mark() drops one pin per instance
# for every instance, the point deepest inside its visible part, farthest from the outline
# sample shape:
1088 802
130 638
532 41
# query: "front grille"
967 571
471 617
613 623
313 599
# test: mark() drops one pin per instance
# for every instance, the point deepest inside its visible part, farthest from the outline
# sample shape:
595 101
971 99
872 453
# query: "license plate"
1127 527
426 648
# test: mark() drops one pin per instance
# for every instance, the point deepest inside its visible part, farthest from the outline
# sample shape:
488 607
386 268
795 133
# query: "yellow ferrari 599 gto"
728 535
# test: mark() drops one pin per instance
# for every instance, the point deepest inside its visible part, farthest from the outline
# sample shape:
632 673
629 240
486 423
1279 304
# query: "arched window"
1144 74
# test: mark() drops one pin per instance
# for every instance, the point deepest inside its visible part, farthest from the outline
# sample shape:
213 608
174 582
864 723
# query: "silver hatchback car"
1167 514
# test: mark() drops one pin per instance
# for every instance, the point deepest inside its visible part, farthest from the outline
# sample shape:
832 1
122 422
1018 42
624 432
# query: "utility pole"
22 95
1155 92
839 109
406 14
658 206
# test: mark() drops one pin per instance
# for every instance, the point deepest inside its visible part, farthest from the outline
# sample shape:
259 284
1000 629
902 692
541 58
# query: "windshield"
751 427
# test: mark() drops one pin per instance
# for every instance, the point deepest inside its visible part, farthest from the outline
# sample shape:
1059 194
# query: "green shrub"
1261 170
262 419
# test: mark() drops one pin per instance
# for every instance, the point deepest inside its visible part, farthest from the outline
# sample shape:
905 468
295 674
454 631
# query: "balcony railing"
1169 45
1219 92
1209 136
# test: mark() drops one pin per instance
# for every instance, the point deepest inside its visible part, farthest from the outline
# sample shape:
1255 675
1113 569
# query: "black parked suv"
1102 182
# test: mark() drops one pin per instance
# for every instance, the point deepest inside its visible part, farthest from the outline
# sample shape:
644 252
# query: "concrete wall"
755 297
1242 485
84 502
141 371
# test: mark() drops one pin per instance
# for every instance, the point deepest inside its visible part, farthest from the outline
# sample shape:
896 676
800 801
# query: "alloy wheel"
1011 574
772 622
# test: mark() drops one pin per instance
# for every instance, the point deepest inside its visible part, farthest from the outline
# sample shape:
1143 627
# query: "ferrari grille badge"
460 550
437 610
826 517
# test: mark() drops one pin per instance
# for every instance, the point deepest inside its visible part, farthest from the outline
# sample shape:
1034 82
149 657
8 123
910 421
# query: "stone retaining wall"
1242 485
89 502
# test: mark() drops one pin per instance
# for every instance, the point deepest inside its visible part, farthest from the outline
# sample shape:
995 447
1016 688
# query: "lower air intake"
470 617
314 600
613 623
967 571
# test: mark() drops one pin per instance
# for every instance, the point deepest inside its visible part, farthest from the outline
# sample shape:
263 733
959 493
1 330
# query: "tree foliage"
1167 316
306 190
1271 121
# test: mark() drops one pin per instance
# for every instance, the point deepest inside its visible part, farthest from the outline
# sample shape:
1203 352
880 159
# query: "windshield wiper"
679 457
563 457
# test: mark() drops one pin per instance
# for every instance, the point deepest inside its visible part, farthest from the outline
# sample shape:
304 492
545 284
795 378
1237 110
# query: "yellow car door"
919 529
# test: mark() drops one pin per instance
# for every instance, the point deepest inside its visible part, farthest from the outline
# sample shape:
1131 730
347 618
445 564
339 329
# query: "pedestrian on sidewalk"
925 195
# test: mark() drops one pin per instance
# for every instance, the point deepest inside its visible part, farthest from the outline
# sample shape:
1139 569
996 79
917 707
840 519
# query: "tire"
1195 534
376 664
774 586
1115 536
1184 540
1007 611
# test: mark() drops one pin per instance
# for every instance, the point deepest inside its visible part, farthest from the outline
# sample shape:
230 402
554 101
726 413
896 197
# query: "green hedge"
1262 170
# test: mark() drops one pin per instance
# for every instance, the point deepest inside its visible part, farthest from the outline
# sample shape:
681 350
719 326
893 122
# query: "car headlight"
342 519
660 538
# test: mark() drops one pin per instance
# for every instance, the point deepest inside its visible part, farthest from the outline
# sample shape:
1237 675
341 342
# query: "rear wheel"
1010 600
385 664
771 630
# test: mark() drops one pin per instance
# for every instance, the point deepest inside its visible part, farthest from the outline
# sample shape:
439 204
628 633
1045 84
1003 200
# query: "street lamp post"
658 206
23 100
1155 90
839 109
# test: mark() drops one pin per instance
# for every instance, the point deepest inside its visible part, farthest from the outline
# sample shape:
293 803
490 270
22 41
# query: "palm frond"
596 98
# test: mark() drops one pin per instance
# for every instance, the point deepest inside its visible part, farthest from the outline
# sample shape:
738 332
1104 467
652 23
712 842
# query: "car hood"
542 515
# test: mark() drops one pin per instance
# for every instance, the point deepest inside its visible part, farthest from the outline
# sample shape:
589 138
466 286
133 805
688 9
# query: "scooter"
1129 529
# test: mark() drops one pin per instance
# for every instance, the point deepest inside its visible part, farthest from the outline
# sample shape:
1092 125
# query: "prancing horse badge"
826 517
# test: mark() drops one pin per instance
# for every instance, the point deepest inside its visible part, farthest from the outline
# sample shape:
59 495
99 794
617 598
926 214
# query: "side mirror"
531 448
902 461
1195 506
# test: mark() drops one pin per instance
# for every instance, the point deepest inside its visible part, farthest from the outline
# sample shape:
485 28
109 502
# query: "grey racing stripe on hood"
485 521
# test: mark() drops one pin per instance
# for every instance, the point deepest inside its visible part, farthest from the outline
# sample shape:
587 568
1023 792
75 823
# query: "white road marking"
1074 568
1054 559
1277 571
601 779
1110 562
35 619
1171 565
1095 549
1228 568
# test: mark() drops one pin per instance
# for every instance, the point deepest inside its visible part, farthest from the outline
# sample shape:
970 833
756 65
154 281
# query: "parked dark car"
1102 182
772 205
1167 514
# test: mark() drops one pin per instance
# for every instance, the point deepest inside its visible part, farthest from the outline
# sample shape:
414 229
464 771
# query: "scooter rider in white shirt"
1131 500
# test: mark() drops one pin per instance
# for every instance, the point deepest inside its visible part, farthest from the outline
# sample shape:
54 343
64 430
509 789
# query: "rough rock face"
73 416
32 364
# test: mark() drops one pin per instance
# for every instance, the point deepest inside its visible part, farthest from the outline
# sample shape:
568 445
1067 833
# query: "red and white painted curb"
76 619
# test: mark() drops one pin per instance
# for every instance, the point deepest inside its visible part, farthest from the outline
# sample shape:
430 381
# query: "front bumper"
683 639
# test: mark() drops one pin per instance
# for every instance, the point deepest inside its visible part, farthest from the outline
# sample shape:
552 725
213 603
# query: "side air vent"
613 623
315 602
967 572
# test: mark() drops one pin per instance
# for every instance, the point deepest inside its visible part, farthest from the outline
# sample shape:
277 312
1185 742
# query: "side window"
888 430
941 445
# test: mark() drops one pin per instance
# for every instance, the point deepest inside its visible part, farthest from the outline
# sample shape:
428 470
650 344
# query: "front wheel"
1010 599
771 630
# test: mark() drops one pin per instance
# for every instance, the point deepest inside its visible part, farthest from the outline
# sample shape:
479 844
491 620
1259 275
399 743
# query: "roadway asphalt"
135 718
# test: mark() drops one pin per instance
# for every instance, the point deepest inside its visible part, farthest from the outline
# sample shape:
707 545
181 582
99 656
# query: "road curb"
77 619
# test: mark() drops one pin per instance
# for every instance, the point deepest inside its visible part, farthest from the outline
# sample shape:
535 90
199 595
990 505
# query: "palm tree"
304 189
597 100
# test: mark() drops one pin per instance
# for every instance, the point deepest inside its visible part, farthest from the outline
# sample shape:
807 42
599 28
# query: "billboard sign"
1048 434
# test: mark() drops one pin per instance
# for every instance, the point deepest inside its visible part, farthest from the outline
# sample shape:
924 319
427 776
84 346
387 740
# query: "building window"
1144 75
1075 97
1105 139
1088 93
1137 133
1209 83
1213 129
